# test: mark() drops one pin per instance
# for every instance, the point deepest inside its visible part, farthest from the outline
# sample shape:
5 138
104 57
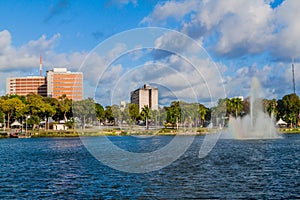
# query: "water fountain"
256 125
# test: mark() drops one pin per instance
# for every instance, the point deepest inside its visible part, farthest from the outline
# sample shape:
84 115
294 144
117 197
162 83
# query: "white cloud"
25 57
245 28
42 43
170 9
184 81
5 41
175 42
286 44
276 80
116 50
237 27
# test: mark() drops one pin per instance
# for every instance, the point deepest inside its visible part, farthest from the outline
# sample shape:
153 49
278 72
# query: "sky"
194 50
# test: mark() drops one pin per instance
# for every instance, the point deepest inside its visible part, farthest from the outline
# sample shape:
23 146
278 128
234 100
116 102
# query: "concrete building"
25 85
57 82
122 105
30 84
145 96
61 81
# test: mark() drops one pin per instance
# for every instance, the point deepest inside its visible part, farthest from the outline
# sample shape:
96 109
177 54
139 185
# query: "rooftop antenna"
41 61
293 71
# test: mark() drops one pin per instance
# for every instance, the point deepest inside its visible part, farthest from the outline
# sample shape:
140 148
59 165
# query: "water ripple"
61 168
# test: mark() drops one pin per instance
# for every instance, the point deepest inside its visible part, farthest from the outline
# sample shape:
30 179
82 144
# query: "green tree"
189 113
159 116
221 109
47 111
219 113
270 106
174 114
234 106
11 107
291 105
100 113
116 112
54 104
125 116
64 105
109 114
37 108
133 111
146 115
70 123
33 120
12 96
280 108
1 116
202 110
246 106
84 110
34 105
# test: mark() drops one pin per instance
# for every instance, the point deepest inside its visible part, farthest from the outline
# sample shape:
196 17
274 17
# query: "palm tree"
234 106
202 110
174 113
146 114
270 106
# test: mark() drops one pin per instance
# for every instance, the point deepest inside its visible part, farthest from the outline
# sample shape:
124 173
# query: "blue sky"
241 38
81 24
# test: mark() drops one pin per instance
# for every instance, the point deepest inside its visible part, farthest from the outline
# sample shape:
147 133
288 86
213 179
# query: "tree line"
287 108
34 108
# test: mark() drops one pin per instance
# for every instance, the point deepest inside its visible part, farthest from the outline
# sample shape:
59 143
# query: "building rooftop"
60 70
148 86
24 77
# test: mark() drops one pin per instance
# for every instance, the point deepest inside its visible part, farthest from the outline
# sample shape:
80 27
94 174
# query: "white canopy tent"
280 122
15 123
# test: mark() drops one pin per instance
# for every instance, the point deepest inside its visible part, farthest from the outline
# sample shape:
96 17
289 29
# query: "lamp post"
4 122
26 125
22 124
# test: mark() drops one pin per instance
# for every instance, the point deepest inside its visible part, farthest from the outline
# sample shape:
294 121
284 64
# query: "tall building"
25 85
57 82
145 96
61 81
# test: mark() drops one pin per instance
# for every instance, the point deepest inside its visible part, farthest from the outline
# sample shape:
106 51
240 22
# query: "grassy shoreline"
289 130
119 132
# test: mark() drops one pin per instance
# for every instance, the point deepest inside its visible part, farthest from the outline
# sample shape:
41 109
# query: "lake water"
62 168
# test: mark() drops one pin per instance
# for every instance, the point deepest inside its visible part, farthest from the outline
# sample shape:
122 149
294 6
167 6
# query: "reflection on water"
63 168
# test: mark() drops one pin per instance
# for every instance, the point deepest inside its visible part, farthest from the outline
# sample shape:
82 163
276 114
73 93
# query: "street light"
26 124
22 124
4 122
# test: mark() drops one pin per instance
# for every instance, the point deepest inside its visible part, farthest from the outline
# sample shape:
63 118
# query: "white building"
61 81
26 85
145 96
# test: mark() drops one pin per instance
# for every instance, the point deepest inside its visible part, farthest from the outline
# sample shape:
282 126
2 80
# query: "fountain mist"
257 125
